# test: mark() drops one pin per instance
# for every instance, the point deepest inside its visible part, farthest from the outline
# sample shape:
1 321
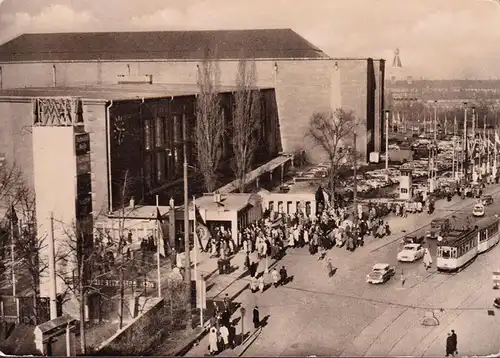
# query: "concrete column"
234 229
171 225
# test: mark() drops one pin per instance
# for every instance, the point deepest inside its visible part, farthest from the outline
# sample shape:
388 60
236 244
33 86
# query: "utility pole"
52 270
187 246
464 150
387 142
355 198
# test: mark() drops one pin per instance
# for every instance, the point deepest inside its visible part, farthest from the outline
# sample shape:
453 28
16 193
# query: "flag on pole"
160 239
202 233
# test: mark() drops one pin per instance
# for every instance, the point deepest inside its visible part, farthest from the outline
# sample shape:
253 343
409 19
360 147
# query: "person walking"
261 284
224 334
283 275
454 341
449 345
212 340
329 267
403 278
256 317
276 277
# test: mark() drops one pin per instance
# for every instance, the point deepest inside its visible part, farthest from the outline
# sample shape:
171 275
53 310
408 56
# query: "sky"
436 38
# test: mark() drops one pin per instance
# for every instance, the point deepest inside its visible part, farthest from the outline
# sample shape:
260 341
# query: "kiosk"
405 184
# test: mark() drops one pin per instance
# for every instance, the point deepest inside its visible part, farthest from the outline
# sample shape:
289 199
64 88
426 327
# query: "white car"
411 252
478 210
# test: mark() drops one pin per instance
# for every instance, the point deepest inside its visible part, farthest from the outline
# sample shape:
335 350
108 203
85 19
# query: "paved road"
344 315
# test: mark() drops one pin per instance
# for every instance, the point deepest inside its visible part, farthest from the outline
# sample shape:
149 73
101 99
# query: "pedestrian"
261 284
276 277
329 267
227 303
403 278
454 341
224 334
253 284
283 275
212 340
449 345
256 317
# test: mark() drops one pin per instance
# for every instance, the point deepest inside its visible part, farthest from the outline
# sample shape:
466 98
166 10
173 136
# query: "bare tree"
246 120
333 132
209 129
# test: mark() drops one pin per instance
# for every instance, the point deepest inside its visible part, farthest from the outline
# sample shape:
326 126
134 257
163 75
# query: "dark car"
487 200
496 302
438 226
412 239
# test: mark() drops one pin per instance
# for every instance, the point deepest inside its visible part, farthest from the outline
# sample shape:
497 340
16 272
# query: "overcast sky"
436 38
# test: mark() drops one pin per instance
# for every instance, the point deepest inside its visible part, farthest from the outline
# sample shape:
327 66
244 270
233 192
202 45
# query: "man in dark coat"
454 341
449 345
256 317
283 275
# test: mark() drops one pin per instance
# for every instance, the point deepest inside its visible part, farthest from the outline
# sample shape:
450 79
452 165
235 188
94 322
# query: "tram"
459 247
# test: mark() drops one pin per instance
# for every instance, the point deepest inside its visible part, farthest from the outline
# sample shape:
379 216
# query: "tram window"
460 251
280 207
454 252
289 207
445 253
271 205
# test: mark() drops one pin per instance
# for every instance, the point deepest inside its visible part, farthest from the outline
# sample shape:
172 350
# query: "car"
380 273
496 302
487 200
438 226
411 253
412 239
478 210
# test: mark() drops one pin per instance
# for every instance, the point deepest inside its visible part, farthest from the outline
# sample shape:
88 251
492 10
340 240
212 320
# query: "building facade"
305 79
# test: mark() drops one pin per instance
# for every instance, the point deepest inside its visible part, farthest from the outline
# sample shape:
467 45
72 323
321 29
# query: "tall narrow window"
160 167
148 170
147 134
159 132
177 132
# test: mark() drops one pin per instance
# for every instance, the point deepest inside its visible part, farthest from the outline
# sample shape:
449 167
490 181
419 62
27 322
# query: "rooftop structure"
165 45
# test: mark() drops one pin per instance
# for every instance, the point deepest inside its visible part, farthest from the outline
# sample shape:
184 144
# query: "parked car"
411 253
380 273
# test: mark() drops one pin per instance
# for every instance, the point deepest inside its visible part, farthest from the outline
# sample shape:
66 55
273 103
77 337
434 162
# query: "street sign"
116 283
201 293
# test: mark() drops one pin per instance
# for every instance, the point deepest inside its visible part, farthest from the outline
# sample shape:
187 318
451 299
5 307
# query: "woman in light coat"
212 339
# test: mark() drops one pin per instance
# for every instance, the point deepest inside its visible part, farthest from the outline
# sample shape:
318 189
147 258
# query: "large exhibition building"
80 111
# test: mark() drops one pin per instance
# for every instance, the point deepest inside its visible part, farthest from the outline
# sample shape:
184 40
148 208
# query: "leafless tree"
333 132
246 120
88 261
209 129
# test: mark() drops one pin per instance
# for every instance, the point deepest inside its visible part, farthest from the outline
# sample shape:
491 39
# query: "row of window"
280 208
454 252
488 232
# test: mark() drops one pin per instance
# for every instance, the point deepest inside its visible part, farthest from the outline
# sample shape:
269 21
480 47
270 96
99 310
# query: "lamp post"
187 246
464 149
386 112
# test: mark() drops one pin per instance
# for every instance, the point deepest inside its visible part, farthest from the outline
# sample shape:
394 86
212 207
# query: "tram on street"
459 247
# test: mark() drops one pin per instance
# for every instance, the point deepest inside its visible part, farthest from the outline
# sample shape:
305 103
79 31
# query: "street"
343 315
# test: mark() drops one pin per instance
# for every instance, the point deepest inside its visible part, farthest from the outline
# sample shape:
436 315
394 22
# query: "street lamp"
187 247
386 113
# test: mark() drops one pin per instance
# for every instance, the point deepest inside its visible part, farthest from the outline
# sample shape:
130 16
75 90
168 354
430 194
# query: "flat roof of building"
159 45
229 202
111 92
